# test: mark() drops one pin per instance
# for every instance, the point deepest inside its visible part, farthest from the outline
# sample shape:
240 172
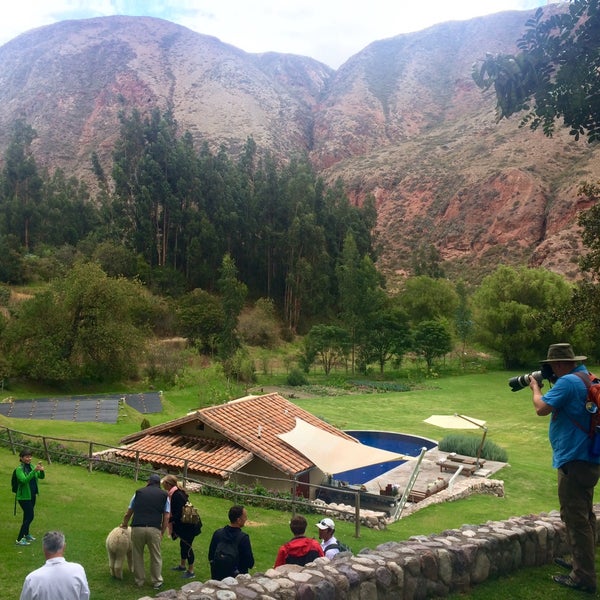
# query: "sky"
330 31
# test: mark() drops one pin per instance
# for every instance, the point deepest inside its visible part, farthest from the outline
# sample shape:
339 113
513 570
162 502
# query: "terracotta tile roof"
242 420
252 423
208 457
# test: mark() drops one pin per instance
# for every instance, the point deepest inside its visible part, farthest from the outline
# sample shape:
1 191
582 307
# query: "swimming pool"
392 441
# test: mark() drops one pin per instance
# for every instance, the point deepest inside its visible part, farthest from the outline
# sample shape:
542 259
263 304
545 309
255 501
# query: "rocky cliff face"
402 120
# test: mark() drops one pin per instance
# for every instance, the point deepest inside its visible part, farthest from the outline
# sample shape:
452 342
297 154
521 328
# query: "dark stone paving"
98 408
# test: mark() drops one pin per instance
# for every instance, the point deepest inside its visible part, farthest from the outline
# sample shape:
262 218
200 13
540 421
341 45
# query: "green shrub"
297 377
4 295
469 446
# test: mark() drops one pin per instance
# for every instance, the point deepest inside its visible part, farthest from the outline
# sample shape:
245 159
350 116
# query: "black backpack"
339 546
14 482
226 558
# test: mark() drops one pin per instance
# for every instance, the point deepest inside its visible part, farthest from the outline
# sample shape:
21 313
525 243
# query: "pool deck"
430 473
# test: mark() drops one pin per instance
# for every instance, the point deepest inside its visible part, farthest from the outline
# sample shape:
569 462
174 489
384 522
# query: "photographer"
27 491
577 469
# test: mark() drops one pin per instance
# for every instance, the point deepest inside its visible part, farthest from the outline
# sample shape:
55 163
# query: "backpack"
226 558
14 482
190 516
592 406
339 546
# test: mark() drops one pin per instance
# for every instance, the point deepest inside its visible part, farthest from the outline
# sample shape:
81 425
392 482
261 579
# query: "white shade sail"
455 422
332 453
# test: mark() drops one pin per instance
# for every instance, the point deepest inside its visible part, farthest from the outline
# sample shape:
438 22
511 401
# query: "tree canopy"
515 312
555 75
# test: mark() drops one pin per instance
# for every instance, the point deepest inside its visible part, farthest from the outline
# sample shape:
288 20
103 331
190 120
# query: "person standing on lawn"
27 491
186 532
577 468
150 507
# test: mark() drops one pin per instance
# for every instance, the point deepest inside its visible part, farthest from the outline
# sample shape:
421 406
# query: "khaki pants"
576 481
140 538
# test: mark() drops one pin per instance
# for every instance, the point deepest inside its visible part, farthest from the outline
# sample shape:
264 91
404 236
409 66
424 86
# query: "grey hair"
53 542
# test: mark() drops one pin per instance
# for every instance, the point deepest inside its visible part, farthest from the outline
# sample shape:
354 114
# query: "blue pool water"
402 443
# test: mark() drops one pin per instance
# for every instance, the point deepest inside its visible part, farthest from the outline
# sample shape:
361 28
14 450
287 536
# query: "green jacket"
24 489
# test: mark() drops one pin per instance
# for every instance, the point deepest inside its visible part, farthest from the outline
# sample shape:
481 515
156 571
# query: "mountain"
401 120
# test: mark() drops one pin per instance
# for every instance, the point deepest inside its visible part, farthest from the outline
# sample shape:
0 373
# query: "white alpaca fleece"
118 546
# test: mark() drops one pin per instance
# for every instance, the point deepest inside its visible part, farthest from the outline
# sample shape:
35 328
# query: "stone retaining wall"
421 567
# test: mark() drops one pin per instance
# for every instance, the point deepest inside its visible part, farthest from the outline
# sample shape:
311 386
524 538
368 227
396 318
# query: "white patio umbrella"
457 421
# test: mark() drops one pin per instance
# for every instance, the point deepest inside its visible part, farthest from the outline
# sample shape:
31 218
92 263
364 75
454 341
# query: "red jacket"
298 551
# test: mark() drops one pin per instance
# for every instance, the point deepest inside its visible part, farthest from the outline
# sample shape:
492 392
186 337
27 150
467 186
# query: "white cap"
326 524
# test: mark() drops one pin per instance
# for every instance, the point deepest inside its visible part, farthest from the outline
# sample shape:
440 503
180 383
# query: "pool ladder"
409 486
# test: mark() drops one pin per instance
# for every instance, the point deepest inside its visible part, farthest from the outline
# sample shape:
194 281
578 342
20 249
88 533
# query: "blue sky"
328 30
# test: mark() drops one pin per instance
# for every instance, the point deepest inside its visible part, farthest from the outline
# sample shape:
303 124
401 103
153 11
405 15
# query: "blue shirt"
568 440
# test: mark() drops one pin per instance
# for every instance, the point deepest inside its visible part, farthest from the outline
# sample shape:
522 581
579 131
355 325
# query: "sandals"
568 582
561 562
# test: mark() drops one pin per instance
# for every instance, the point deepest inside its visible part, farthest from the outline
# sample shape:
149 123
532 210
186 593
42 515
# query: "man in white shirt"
58 578
328 542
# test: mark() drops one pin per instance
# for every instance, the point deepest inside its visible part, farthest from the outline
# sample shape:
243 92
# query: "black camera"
522 381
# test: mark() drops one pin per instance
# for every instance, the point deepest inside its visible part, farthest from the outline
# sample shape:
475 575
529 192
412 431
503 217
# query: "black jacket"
149 507
186 531
246 558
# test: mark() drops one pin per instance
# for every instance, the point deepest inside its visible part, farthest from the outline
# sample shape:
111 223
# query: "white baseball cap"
326 524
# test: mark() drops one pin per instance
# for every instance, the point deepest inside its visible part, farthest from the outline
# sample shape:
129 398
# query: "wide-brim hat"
561 353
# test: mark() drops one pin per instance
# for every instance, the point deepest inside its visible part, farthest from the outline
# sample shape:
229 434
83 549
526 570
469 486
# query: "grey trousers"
576 481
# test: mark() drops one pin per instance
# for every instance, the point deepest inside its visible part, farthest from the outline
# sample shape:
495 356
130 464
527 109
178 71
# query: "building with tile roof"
237 441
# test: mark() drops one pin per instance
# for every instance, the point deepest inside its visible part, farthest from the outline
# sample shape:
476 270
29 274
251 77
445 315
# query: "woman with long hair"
186 532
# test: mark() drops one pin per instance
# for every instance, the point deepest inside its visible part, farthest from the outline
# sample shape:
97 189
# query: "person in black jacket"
150 508
230 551
186 532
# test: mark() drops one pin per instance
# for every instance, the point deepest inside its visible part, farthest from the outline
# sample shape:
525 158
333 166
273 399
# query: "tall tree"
426 299
431 340
327 342
233 295
387 337
361 295
515 313
22 185
82 328
556 74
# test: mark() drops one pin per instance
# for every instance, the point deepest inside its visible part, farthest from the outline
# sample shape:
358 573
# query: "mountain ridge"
401 120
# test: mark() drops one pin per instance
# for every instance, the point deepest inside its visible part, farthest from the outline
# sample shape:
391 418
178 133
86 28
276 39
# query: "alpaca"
118 546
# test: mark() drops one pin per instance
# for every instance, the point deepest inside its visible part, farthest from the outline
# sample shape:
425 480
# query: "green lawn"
86 506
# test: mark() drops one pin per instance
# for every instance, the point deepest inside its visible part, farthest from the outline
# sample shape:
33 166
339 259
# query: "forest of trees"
180 240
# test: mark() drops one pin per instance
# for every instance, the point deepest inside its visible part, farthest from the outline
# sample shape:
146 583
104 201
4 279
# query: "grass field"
86 506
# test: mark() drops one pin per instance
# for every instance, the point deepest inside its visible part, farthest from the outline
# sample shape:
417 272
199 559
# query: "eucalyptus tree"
21 186
233 294
145 172
361 294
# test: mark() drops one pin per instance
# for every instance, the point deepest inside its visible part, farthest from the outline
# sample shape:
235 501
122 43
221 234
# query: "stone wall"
421 567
